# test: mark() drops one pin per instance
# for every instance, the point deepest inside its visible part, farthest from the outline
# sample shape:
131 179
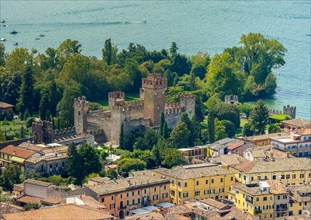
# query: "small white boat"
15 43
2 21
2 39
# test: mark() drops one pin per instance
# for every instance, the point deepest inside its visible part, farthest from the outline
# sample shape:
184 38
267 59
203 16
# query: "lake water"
195 26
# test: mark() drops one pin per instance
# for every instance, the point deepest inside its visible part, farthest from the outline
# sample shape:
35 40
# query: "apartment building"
142 188
300 199
199 181
267 200
292 171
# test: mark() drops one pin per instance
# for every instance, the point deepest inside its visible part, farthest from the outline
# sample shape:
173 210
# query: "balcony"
281 208
249 200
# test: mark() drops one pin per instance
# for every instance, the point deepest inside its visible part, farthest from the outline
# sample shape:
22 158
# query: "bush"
29 121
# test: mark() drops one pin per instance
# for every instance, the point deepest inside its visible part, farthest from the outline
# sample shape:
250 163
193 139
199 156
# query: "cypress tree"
162 121
25 100
211 127
121 141
165 130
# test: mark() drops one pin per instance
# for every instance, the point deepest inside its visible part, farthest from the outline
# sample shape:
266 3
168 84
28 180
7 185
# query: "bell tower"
153 88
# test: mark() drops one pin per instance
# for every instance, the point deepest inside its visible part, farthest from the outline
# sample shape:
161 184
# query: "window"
274 177
186 184
221 180
155 189
279 197
284 196
206 181
138 201
212 180
50 165
127 202
185 195
287 176
172 182
206 192
221 190
302 175
178 184
252 179
133 193
138 192
197 183
212 191
103 199
294 176
257 199
265 198
155 197
133 201
111 197
145 191
164 187
231 179
197 193
121 195
282 177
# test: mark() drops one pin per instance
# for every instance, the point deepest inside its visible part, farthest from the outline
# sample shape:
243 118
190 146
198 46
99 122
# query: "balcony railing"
257 211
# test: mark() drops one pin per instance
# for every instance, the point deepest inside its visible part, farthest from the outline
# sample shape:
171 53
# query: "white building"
299 143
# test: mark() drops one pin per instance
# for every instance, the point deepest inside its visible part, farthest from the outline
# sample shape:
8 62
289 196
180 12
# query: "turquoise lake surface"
208 26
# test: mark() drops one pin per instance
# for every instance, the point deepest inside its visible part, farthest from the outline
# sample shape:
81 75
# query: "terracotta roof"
276 187
301 193
31 146
193 172
228 159
37 182
214 203
288 164
235 145
151 215
17 151
60 212
6 208
53 200
266 136
298 122
304 131
5 105
29 200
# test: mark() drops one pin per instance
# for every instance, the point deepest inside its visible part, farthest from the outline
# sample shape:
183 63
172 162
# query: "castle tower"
290 110
42 132
154 87
188 102
116 99
81 107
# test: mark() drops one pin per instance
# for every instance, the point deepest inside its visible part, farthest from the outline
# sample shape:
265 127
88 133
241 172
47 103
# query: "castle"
145 112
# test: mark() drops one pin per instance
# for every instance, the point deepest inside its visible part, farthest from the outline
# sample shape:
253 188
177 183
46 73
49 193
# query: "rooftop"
288 164
300 193
266 136
214 203
139 179
193 172
31 146
298 122
38 182
60 212
235 145
275 187
17 151
228 159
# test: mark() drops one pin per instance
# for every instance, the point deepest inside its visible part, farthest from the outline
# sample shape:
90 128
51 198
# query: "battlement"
80 101
129 107
66 132
275 112
173 108
116 98
231 99
154 81
187 96
290 110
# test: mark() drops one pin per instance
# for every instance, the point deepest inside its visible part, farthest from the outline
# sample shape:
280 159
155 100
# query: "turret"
116 99
81 108
154 87
188 102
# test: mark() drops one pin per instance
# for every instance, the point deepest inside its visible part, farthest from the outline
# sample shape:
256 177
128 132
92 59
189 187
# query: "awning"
17 159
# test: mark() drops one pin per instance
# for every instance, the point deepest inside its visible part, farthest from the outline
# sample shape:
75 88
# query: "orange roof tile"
235 145
306 131
60 212
17 151
245 167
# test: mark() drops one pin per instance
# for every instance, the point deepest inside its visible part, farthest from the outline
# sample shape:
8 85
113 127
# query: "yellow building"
267 200
199 181
300 199
292 171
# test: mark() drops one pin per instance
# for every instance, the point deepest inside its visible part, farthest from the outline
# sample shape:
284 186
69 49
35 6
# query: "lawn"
128 97
12 129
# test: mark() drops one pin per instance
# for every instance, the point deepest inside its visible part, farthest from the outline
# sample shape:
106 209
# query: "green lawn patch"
280 117
128 97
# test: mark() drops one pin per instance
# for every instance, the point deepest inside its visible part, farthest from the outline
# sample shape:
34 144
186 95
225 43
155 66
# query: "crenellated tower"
290 110
187 101
42 132
81 108
116 99
153 88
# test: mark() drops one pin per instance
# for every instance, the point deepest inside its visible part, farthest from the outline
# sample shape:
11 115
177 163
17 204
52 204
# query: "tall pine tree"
25 100
121 141
162 121
211 127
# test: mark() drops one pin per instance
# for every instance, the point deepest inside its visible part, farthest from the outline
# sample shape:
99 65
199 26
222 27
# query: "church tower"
153 88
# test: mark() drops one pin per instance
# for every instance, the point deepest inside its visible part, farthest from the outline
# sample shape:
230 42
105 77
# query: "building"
267 200
297 143
14 155
300 199
228 159
131 115
49 160
267 152
295 124
197 182
120 196
6 110
239 148
264 139
221 147
60 212
292 171
197 152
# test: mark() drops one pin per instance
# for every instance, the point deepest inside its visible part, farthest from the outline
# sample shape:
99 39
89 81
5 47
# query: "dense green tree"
109 52
130 164
73 165
11 176
259 117
2 137
89 159
146 142
44 105
112 173
211 127
224 111
17 60
2 53
165 131
25 100
220 130
273 128
270 84
171 157
173 49
162 121
9 87
246 131
246 109
180 64
180 135
229 128
121 140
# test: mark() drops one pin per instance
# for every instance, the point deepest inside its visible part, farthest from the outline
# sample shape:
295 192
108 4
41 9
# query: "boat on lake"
13 32
41 35
2 21
3 39
15 43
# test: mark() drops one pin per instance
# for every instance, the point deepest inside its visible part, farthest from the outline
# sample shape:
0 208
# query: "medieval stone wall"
100 120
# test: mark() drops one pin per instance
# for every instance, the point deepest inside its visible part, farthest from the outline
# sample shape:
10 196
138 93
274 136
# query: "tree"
220 130
109 52
191 127
73 165
247 130
121 140
171 157
131 164
180 134
270 84
211 127
259 117
44 105
229 128
246 109
90 160
162 121
273 128
112 173
2 53
165 131
26 92
11 176
173 49
224 111
2 137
